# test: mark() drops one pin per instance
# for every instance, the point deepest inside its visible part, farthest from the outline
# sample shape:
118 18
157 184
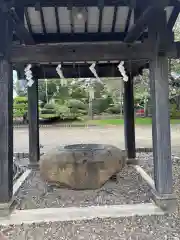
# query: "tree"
175 63
51 89
20 106
20 88
142 88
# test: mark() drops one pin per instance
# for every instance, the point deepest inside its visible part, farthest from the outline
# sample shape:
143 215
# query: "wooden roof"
107 20
53 22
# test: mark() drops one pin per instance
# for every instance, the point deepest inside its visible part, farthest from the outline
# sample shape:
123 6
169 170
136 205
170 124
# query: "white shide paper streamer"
122 71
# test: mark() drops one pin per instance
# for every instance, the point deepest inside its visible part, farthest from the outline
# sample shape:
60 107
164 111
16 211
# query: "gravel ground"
141 228
134 228
129 188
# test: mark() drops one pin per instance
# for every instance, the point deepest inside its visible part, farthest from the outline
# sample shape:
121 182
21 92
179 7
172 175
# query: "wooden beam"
70 52
95 51
114 19
86 22
57 19
78 3
42 20
17 17
28 20
138 28
78 37
128 21
173 17
166 36
165 41
149 13
75 70
71 20
21 32
64 3
100 18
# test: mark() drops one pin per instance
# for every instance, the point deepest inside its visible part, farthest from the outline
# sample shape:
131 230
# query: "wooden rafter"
138 28
22 33
114 18
42 20
57 19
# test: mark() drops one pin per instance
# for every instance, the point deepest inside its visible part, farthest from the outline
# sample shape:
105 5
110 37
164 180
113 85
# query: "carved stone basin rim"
83 147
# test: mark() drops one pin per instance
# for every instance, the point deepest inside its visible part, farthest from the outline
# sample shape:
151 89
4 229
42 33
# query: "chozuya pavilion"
75 33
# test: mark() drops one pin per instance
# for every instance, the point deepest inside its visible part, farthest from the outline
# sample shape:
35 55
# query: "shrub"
174 112
18 113
20 106
65 113
100 105
47 111
74 103
49 106
82 112
19 100
114 109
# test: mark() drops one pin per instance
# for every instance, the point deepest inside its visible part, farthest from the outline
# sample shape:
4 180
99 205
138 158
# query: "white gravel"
139 228
127 189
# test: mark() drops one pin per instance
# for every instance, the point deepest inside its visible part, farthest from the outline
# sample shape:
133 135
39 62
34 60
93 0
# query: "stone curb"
47 215
144 150
60 126
21 155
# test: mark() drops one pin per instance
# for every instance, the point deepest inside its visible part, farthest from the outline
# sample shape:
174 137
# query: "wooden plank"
70 52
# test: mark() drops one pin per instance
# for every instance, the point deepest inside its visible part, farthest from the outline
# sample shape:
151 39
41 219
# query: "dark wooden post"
33 118
161 125
159 84
129 126
6 114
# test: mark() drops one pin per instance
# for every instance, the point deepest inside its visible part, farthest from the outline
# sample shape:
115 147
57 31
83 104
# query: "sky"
14 80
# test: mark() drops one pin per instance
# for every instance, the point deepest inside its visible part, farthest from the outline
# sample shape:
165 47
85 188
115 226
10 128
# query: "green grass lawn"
138 121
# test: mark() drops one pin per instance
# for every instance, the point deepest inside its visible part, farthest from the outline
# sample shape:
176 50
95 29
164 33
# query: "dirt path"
50 137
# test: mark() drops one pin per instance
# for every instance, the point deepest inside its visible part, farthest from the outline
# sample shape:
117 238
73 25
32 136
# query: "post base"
167 202
34 166
7 208
132 161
